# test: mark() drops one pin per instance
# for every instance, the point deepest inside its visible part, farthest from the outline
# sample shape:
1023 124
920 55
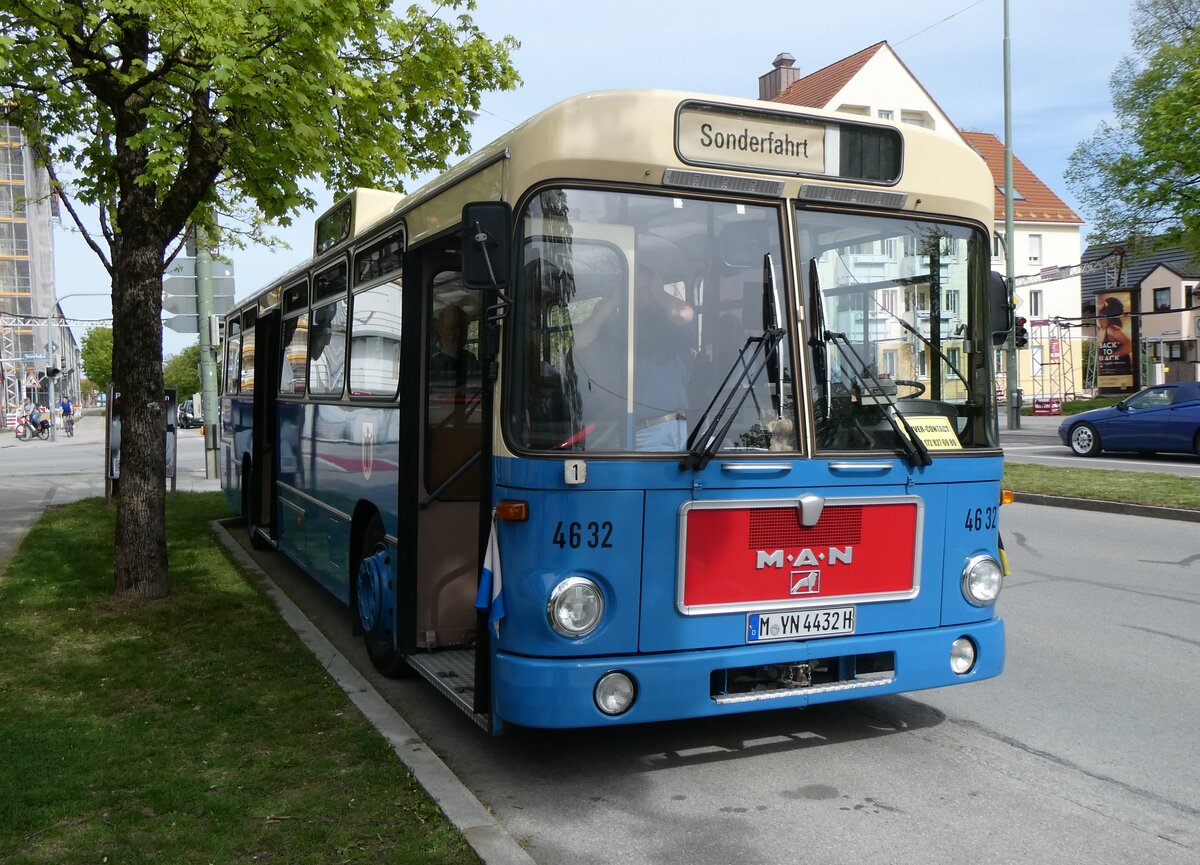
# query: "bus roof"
686 140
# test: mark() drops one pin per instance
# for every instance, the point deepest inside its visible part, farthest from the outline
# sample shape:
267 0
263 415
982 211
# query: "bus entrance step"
452 672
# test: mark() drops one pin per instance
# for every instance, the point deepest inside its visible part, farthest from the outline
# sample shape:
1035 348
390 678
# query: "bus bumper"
538 692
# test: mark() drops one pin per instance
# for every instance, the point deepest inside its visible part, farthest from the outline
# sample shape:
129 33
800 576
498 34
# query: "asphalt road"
1037 442
1082 752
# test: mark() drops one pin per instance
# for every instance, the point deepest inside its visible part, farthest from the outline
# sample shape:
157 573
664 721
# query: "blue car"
1165 417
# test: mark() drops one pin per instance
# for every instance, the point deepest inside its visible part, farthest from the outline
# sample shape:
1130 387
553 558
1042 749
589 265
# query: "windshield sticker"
935 431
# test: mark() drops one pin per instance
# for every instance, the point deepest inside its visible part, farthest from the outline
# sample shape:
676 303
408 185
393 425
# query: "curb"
1155 511
490 841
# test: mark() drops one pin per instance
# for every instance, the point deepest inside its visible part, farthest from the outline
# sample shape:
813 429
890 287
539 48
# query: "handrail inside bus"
463 469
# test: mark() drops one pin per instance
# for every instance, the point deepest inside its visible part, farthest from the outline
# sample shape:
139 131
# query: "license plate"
807 624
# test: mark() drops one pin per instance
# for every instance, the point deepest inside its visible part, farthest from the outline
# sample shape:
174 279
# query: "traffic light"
1020 332
54 368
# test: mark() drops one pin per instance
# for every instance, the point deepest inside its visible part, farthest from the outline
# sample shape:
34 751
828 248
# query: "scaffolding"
27 345
1052 364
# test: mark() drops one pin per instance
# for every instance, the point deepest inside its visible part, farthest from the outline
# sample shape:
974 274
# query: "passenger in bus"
662 357
450 363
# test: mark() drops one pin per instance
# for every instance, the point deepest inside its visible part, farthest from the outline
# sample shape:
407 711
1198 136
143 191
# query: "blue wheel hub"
375 593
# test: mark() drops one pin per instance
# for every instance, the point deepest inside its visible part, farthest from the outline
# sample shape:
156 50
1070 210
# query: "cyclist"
68 418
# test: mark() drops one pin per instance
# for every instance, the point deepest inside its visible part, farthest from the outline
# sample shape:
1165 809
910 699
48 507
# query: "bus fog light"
962 655
981 580
614 693
575 607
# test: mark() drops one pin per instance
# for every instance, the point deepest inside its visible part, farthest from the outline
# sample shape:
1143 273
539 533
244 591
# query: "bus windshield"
896 311
632 311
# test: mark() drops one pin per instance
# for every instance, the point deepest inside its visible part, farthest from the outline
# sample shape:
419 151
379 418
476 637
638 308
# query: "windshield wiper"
710 431
914 448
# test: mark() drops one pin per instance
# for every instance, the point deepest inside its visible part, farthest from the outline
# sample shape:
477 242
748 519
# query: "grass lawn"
1144 488
192 730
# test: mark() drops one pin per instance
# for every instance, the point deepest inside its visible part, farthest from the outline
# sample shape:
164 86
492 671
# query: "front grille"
780 527
774 681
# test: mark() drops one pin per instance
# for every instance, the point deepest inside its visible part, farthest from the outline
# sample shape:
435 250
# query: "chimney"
780 78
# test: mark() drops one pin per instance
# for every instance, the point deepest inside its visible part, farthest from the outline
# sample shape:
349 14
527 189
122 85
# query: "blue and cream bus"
659 406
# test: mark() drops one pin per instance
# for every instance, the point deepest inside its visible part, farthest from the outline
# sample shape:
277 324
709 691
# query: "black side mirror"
486 244
999 308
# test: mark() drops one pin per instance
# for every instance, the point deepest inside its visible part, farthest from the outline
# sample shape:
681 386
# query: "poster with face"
1114 340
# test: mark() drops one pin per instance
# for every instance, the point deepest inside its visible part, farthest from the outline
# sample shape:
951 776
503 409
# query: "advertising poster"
1114 340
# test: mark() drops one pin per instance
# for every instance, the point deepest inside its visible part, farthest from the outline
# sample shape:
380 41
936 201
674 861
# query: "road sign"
183 323
181 266
186 267
185 304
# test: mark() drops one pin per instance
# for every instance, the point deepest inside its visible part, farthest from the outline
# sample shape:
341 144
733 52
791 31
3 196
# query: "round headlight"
981 580
962 655
575 607
614 693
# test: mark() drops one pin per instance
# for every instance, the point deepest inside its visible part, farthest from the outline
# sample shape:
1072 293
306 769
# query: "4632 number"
573 535
982 519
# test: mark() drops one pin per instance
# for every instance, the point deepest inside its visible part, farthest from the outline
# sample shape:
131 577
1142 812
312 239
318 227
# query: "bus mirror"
487 247
999 308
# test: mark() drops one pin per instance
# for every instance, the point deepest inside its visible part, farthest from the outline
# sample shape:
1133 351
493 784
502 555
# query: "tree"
182 372
1139 176
159 113
96 355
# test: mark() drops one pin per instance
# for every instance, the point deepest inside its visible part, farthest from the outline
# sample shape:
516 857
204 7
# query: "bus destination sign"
761 141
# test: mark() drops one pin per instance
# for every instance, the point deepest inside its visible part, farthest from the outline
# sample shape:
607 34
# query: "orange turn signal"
1007 497
512 510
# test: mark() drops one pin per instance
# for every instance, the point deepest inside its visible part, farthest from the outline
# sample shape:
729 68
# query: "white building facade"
876 83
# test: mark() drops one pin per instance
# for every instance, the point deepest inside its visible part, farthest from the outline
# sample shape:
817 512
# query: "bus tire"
371 570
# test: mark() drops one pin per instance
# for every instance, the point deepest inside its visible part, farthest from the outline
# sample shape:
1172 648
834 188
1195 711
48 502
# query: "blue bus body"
837 539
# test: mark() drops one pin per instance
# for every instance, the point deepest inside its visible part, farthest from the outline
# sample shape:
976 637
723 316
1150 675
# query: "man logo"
806 583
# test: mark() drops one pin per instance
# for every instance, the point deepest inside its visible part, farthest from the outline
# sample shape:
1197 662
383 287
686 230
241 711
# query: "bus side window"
294 346
453 410
327 349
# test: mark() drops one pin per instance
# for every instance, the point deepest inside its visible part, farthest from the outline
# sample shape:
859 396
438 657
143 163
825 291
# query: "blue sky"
1063 52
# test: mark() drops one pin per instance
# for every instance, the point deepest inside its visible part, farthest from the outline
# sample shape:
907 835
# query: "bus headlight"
981 580
575 607
614 693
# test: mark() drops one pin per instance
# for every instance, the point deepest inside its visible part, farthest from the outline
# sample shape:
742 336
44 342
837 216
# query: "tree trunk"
141 542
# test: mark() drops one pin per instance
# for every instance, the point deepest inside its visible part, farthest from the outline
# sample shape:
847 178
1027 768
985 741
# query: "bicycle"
69 425
24 430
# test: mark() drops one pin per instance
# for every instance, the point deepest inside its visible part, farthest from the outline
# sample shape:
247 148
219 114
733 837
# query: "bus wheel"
376 602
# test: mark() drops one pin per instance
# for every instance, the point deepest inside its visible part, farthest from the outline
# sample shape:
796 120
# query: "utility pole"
208 355
1014 379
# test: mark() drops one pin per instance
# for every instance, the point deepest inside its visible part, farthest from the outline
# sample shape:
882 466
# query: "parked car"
187 416
1164 417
